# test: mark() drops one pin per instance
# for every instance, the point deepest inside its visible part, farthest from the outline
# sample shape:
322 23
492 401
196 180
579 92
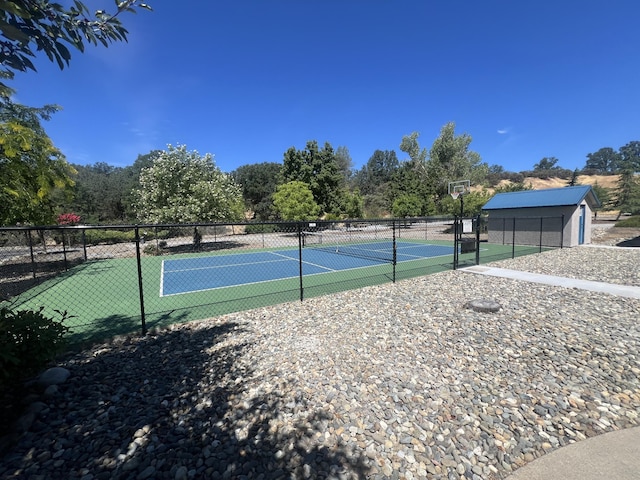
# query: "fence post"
33 260
513 239
300 258
478 240
394 257
84 244
541 227
143 321
64 252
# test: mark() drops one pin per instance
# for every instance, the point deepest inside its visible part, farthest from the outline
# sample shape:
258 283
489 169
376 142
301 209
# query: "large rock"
53 376
483 305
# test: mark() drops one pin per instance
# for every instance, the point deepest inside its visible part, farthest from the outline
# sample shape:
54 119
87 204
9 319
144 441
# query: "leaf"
64 52
27 63
16 10
13 33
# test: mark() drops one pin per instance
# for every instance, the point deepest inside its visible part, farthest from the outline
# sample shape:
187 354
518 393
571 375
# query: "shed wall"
546 226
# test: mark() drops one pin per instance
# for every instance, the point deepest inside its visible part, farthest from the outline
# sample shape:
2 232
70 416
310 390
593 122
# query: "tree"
33 172
183 186
547 163
450 159
630 157
353 204
573 181
628 200
408 180
318 168
603 161
548 168
258 182
101 192
513 187
473 203
294 201
29 26
411 147
377 172
603 195
408 205
344 161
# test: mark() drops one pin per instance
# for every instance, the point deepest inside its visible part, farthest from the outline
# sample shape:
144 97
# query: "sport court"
202 273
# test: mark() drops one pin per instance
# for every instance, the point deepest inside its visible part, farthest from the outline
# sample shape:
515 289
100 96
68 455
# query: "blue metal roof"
551 197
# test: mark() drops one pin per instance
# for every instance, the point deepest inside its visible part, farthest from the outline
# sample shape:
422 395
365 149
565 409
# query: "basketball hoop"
459 187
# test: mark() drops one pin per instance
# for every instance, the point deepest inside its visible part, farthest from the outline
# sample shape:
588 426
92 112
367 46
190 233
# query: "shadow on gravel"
176 404
634 242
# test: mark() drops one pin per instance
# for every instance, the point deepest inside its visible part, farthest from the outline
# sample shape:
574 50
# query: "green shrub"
153 234
28 340
260 228
95 237
631 222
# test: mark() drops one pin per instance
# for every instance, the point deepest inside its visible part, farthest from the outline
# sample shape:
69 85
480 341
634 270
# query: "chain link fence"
123 278
118 279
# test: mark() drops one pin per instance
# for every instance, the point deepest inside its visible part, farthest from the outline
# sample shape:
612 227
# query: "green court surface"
104 297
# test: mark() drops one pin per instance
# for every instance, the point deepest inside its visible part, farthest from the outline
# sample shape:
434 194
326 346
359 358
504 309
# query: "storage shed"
552 217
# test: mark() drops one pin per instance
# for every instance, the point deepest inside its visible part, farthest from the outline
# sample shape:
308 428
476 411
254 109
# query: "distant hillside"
605 181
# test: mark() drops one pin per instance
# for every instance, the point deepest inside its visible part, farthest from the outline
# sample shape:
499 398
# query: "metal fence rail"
122 278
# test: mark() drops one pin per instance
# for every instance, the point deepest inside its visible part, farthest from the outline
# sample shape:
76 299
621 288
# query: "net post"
456 242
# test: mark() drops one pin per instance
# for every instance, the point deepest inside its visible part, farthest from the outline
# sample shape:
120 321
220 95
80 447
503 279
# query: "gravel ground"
393 381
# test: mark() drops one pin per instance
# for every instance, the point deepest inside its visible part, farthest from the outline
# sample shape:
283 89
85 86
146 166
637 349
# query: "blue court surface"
195 274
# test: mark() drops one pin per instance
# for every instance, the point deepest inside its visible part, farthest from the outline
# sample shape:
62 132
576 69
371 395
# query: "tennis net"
354 244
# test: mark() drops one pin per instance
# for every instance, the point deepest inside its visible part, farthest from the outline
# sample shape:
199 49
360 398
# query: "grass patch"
631 222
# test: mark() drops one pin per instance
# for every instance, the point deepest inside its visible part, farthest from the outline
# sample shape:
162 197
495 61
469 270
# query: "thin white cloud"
503 131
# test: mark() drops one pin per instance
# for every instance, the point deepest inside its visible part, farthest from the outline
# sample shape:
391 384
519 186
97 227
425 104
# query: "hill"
605 181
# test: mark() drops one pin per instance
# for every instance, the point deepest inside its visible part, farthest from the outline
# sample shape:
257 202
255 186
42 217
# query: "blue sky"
247 79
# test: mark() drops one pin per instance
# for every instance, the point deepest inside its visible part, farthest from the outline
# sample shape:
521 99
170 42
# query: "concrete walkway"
613 455
613 289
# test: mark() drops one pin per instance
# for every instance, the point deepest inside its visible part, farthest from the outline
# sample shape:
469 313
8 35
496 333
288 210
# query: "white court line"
212 267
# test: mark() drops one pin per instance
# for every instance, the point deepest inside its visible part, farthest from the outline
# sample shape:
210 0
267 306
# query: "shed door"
581 227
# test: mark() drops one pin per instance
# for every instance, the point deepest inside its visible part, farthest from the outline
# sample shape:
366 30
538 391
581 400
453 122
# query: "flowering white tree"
183 186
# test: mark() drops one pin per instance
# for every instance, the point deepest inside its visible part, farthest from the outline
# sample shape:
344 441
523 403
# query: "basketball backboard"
459 187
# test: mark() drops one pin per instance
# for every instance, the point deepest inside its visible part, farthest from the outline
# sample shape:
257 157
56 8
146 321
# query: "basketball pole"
461 214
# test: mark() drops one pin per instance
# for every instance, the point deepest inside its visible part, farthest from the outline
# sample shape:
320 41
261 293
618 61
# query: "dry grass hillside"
606 181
